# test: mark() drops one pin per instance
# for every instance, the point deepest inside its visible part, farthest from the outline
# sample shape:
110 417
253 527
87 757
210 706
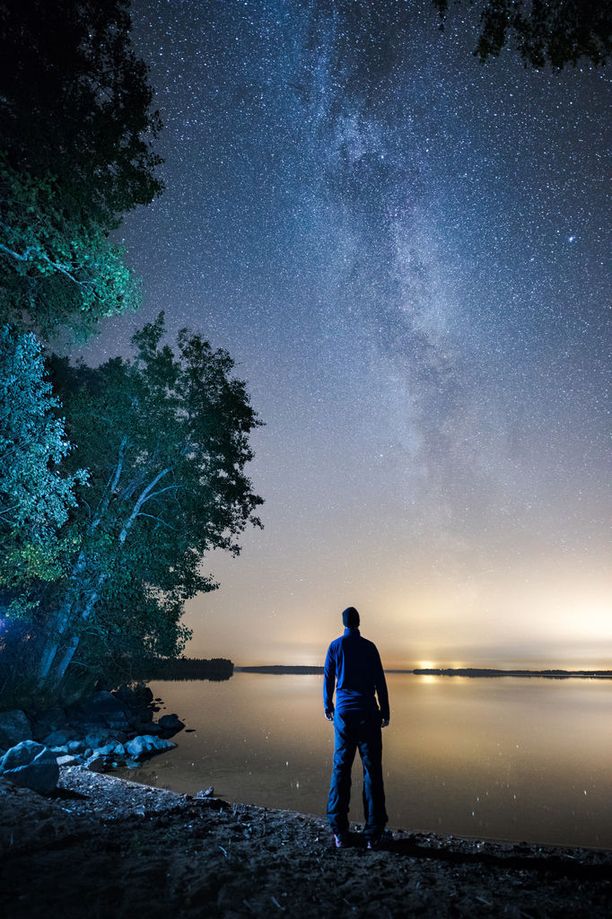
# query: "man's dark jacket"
353 664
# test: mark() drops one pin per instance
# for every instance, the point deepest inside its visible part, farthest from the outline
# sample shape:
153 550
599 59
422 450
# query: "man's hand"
384 723
329 714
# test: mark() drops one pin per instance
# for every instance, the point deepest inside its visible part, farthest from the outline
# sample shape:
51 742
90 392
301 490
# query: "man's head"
350 618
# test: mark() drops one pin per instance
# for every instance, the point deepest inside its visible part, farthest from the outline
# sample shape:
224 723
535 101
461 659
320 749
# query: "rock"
170 724
76 746
14 727
98 739
148 728
50 720
68 760
31 764
134 698
104 701
206 792
61 750
59 738
105 750
109 709
110 749
147 745
97 763
117 721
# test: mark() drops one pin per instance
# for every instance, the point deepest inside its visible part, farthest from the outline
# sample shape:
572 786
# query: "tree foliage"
555 32
165 438
35 495
76 124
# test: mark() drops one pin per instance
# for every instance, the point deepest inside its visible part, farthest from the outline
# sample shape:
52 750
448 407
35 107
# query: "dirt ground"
104 847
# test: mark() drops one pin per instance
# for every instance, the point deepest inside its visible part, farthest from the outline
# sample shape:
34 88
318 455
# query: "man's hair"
350 618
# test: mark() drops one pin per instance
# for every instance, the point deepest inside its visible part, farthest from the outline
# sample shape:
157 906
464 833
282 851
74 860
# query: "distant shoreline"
480 672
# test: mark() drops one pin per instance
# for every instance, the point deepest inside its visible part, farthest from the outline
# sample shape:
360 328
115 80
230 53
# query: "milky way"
405 252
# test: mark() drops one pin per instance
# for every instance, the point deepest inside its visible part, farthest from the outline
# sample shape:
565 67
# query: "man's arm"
329 684
381 691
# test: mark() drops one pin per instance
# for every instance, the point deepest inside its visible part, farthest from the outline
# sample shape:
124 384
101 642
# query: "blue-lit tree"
165 438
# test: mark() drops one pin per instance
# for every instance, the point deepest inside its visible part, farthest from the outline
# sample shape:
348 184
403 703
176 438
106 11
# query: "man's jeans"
357 730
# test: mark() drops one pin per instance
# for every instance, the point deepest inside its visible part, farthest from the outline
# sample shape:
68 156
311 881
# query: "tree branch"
159 520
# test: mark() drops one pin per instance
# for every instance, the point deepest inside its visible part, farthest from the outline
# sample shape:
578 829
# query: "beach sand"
106 847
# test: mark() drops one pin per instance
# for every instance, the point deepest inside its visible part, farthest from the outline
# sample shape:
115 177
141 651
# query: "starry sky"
405 251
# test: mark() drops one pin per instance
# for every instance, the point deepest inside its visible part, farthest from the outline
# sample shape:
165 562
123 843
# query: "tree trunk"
73 644
145 495
62 620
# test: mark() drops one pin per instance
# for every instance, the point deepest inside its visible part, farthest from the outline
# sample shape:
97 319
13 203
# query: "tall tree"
165 437
76 126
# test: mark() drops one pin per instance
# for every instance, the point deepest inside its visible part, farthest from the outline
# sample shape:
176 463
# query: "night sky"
405 251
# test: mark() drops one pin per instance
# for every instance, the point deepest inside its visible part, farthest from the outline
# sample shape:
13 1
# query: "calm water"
507 758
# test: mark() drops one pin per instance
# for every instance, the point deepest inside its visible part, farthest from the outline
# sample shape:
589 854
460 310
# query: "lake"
507 758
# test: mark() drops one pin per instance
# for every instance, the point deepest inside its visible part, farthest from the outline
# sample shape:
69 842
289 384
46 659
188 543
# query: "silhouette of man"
353 667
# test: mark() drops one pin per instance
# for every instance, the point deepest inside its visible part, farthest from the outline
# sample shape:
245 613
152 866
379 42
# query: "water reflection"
510 758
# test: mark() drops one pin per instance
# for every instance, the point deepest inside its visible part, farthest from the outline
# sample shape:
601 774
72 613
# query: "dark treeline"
186 668
447 671
114 480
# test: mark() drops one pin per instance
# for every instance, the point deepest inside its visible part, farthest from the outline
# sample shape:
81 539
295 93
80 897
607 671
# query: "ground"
103 847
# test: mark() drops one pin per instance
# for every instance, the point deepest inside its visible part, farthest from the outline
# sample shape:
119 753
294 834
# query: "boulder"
147 745
97 763
118 721
170 724
98 739
31 764
107 708
50 720
14 727
104 701
110 749
59 738
145 727
134 697
76 746
68 760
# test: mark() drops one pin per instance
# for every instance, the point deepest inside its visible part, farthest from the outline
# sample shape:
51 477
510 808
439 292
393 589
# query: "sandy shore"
105 847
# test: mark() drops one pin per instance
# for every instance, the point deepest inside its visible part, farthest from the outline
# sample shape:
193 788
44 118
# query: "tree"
557 32
76 125
165 438
35 497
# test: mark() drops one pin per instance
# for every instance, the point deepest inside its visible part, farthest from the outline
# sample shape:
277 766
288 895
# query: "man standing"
353 667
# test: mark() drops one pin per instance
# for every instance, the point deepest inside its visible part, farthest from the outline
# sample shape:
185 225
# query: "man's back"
353 664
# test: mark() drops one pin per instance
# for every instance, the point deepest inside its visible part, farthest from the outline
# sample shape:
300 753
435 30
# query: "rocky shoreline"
100 846
105 731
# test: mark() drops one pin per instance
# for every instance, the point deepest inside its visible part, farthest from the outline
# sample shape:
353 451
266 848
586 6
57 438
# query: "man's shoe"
341 840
